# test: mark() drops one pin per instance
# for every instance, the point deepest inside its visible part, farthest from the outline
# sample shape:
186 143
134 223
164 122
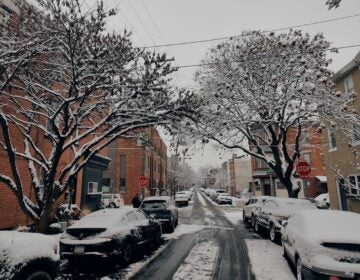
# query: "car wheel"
127 253
172 227
272 233
253 221
256 225
112 205
38 275
299 274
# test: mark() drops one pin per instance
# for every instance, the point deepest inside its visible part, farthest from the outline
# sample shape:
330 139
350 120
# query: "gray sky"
156 22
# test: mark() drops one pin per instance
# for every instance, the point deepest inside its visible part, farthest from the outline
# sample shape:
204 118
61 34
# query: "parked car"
322 201
182 198
323 244
215 193
224 198
252 208
109 235
209 191
111 200
163 209
277 210
29 256
189 193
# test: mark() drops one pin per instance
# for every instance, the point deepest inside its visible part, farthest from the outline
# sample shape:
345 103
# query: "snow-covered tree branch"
264 94
68 88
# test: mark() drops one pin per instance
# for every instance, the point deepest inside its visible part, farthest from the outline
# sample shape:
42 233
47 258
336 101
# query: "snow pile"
267 261
183 229
201 199
18 248
199 263
234 216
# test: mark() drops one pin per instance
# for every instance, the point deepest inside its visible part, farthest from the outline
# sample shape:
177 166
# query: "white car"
29 256
182 198
189 193
224 198
111 200
215 193
323 244
275 211
252 208
322 201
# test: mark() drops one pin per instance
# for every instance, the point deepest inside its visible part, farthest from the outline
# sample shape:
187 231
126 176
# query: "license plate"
79 249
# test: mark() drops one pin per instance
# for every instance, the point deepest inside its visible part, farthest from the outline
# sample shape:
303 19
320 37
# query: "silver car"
323 244
275 211
252 208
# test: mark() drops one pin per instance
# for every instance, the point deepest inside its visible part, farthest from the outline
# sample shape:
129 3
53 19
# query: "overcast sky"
157 22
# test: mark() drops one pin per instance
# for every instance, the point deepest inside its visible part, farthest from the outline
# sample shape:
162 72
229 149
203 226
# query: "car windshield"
154 205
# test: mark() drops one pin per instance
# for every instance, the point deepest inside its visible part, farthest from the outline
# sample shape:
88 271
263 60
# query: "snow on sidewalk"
267 262
201 199
199 263
183 229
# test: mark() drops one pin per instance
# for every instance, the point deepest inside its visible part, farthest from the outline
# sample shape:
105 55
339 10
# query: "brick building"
145 155
265 181
342 155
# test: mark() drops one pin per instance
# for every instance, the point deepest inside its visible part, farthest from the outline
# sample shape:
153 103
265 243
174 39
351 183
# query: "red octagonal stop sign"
143 182
303 169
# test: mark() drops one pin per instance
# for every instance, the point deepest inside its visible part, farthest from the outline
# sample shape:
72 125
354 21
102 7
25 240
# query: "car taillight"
332 277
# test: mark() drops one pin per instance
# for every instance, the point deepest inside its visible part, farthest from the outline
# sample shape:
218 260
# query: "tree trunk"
42 225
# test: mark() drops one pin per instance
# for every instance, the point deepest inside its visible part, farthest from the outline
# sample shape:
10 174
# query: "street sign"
143 182
303 169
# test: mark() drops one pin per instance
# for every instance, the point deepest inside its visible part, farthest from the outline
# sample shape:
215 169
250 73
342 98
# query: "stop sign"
143 182
303 169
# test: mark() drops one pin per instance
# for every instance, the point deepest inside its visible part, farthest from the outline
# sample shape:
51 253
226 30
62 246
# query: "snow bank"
267 262
201 199
183 229
200 262
234 216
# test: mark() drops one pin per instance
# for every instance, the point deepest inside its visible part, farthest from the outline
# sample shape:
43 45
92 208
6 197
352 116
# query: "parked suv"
111 200
277 210
252 208
163 209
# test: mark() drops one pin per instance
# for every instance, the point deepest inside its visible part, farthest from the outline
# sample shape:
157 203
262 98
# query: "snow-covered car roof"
103 218
157 198
329 225
19 248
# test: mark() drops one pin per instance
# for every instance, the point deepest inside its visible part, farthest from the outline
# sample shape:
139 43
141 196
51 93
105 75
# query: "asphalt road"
232 261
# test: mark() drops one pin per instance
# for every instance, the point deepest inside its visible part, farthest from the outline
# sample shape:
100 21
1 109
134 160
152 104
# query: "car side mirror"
284 223
151 217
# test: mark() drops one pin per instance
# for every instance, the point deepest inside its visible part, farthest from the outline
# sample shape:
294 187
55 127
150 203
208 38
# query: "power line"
139 18
238 36
265 57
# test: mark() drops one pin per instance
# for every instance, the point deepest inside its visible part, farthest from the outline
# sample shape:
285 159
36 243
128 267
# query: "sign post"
303 169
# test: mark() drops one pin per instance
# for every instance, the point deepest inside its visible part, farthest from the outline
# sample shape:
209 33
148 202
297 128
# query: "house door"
267 189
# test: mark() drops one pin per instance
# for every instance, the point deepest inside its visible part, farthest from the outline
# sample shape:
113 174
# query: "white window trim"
331 149
356 184
93 192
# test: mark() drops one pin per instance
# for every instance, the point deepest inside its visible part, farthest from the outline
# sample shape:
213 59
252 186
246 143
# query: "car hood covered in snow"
19 248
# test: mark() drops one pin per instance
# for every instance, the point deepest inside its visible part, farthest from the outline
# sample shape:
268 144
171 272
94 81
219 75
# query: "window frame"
97 187
357 184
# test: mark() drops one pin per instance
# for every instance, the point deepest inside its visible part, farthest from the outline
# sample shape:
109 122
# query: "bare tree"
264 93
68 88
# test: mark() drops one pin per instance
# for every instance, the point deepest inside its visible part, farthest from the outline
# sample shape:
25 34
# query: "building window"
122 183
259 163
93 188
356 135
332 139
106 185
348 85
354 181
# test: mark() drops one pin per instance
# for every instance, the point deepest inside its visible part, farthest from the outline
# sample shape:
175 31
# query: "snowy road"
210 242
181 259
